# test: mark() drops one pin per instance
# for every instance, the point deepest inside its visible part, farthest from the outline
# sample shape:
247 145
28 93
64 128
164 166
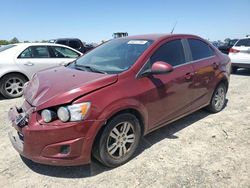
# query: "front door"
168 95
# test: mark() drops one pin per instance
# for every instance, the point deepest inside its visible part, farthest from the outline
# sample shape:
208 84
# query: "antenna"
173 27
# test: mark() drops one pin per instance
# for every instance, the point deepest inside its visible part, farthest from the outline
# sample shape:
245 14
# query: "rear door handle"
215 65
29 64
189 76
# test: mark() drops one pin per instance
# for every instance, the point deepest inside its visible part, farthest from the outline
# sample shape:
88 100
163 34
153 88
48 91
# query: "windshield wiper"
92 69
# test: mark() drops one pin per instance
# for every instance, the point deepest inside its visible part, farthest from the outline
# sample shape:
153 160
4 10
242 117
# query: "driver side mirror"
158 67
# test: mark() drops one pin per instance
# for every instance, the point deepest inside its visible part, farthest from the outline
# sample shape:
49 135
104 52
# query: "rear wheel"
118 141
11 85
218 100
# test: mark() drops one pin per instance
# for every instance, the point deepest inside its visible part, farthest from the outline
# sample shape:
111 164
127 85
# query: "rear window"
3 48
63 42
75 44
243 42
199 49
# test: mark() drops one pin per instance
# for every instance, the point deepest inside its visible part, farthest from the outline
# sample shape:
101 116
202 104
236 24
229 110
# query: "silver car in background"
18 62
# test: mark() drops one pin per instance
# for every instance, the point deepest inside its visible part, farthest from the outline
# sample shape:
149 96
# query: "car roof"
38 44
65 39
159 36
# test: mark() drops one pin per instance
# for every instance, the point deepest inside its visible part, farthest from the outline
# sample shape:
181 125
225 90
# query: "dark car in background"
226 47
73 43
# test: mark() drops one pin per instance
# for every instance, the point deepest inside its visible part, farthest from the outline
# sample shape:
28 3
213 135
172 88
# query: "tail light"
233 50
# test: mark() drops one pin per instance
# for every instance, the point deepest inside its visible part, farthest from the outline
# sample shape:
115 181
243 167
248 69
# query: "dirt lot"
201 150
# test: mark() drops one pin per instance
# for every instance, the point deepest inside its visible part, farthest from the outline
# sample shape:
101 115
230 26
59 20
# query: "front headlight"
75 112
48 115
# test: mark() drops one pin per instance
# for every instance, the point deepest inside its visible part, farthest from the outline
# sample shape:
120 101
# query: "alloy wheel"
14 86
219 98
120 140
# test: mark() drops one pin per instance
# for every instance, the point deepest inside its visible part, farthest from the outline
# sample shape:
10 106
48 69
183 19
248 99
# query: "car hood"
62 85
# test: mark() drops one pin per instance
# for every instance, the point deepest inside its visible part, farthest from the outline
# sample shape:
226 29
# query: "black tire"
234 69
4 84
212 107
100 150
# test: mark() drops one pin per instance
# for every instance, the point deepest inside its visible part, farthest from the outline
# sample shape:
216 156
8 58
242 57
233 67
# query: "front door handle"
62 63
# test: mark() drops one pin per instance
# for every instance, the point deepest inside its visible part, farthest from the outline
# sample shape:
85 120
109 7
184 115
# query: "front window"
171 52
114 56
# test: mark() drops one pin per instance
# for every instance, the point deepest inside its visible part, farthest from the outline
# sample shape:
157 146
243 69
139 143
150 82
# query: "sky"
96 20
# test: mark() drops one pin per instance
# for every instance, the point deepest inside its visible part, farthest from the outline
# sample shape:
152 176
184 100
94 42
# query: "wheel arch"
130 110
16 72
223 80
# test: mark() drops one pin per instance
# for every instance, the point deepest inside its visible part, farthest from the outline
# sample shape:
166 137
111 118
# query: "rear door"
205 64
241 52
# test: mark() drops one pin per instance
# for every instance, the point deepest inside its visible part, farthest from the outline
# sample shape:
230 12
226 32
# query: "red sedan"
103 102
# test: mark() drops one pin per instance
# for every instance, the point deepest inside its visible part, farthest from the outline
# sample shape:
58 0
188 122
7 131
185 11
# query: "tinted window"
61 52
243 42
74 44
63 42
172 52
3 48
200 49
35 52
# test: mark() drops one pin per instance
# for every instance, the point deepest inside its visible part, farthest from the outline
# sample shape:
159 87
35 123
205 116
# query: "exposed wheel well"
225 82
16 73
136 113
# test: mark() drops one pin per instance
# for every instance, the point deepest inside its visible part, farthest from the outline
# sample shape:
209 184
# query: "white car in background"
240 54
18 62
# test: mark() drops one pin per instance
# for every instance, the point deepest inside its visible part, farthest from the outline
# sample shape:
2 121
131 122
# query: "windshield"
2 48
114 56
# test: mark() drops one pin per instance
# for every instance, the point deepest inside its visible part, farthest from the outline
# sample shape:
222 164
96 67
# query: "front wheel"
218 100
11 85
118 141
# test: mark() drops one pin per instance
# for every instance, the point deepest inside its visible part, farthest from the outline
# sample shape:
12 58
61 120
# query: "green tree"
14 40
4 42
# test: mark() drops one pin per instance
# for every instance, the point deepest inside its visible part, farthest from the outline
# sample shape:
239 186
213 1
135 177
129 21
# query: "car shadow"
242 72
2 98
96 168
169 131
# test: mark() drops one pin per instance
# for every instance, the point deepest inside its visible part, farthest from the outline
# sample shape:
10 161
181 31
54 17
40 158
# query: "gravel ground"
200 150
